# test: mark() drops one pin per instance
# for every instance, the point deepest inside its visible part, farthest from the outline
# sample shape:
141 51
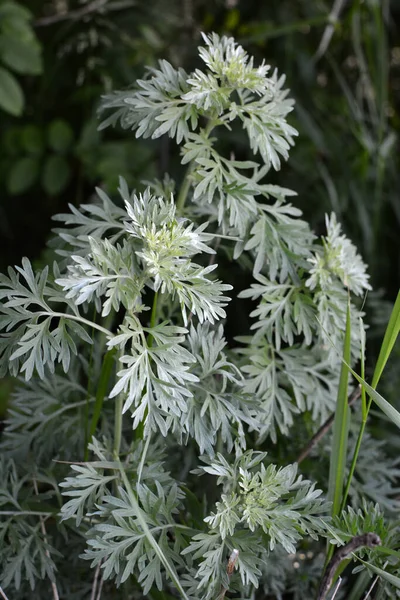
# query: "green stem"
118 426
186 183
353 465
139 433
365 410
185 187
88 391
145 528
153 318
143 458
101 391
355 457
26 513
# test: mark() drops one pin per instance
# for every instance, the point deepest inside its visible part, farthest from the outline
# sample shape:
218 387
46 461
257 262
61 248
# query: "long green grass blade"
389 340
362 365
390 337
383 404
388 551
392 579
340 428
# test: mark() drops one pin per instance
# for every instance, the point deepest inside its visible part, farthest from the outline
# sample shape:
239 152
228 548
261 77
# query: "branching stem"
153 318
186 183
145 528
44 533
323 430
76 318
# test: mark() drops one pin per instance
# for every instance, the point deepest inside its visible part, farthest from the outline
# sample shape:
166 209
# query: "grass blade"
340 428
389 339
383 404
392 579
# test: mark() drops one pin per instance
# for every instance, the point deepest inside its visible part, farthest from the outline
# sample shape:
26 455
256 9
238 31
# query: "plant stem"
2 594
185 187
95 580
75 318
186 183
88 390
323 430
143 458
153 318
26 513
118 425
365 410
101 392
355 457
145 528
139 433
47 552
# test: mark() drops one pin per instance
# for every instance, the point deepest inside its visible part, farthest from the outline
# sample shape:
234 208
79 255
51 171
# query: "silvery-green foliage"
218 404
25 552
157 378
305 312
120 544
90 220
308 316
263 500
266 505
138 283
41 406
107 271
287 382
338 256
34 339
156 253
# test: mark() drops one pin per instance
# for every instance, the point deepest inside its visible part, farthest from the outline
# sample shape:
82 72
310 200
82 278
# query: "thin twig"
95 580
323 430
44 533
2 594
375 581
75 15
98 597
24 513
329 29
339 581
370 540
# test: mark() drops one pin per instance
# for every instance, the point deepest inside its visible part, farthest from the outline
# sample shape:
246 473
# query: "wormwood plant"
143 456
